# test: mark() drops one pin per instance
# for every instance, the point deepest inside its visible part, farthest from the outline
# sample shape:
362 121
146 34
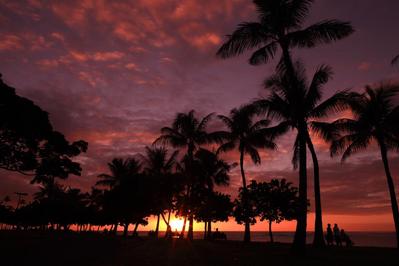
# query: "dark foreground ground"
57 250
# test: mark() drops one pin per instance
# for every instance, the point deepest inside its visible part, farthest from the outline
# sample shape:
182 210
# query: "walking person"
337 235
329 236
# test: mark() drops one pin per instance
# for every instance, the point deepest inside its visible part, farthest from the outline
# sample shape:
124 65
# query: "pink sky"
114 72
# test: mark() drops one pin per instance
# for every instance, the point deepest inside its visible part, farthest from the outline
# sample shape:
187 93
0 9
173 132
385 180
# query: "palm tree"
395 60
160 167
120 170
247 136
187 132
375 119
280 24
211 171
296 105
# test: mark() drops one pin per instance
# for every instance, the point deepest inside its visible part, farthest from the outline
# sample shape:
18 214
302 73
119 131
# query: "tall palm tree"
247 136
159 166
187 132
280 24
296 105
376 119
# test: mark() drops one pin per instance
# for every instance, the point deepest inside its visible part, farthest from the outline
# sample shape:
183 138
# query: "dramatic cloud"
114 72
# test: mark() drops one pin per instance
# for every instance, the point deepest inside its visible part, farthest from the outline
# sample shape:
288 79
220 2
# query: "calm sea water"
365 239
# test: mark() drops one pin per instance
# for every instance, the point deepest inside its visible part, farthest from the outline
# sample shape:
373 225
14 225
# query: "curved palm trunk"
318 240
247 232
270 232
125 229
394 203
136 226
299 245
157 227
183 230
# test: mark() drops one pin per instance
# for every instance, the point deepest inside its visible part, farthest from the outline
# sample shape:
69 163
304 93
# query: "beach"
33 248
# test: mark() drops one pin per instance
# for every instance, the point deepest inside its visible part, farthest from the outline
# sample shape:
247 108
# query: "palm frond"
253 153
395 60
248 35
226 147
321 77
323 32
336 103
264 54
204 122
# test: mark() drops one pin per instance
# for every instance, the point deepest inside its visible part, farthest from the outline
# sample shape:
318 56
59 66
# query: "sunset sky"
114 72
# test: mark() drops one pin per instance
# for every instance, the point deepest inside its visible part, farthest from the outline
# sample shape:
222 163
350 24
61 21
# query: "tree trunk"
205 232
247 232
135 229
125 229
157 227
299 245
190 233
116 228
169 216
209 230
183 230
270 232
288 61
392 193
318 240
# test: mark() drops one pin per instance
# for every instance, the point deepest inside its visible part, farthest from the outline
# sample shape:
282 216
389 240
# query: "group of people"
337 236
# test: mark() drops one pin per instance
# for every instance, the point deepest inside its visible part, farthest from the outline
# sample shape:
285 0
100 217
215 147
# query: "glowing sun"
176 224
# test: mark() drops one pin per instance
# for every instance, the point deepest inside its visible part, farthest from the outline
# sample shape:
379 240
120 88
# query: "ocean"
363 239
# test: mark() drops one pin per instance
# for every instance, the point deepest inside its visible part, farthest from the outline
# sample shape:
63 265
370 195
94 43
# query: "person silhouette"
329 236
337 235
345 238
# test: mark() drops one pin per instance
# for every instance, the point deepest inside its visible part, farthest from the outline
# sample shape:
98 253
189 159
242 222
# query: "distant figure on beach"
329 236
337 235
168 234
345 238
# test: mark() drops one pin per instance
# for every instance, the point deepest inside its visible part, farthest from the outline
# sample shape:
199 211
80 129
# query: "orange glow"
176 224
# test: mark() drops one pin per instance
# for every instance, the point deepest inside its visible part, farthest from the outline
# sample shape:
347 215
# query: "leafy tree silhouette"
275 201
28 143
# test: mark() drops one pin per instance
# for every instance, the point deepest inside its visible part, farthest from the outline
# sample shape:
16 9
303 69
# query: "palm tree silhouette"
247 136
375 119
280 25
120 170
159 167
211 171
187 132
296 105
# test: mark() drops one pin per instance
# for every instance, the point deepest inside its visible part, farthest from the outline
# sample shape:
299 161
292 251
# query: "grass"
59 249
